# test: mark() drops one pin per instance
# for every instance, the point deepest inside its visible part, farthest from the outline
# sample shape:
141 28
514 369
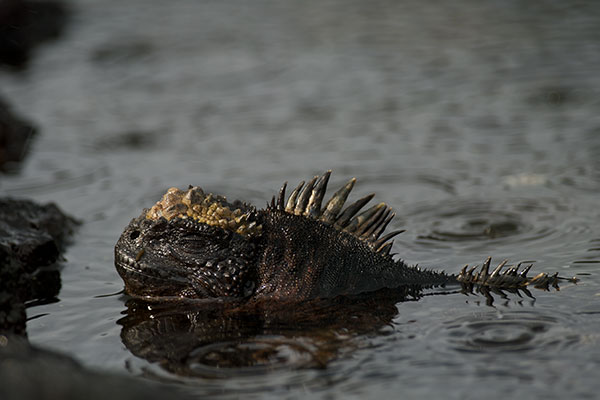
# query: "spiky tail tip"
514 277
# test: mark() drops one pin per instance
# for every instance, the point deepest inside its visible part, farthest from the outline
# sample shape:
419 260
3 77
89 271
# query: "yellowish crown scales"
207 209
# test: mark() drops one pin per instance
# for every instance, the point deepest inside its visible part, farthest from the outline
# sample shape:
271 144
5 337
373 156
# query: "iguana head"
189 244
196 245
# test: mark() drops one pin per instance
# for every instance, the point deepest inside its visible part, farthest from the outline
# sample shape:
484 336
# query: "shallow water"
478 122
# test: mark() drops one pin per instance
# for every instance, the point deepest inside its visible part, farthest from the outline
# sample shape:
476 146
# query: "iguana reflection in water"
211 339
224 274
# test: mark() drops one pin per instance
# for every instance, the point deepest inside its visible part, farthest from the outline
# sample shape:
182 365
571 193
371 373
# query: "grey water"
479 122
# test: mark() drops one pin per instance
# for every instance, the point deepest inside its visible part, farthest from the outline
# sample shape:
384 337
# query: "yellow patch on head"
207 209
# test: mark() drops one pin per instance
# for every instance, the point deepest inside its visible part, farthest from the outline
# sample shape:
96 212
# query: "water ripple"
471 220
251 356
514 331
475 224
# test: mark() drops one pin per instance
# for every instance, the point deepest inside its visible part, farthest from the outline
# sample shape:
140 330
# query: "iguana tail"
513 277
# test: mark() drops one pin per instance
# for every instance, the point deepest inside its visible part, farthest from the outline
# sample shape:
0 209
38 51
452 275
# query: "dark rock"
32 237
15 136
27 372
26 24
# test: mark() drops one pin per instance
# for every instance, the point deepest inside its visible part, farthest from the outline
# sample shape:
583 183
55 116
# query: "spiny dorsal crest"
368 226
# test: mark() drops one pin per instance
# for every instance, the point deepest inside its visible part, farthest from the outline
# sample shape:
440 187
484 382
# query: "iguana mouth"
147 281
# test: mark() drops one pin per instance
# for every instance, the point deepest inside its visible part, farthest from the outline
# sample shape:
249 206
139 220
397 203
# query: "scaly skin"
194 245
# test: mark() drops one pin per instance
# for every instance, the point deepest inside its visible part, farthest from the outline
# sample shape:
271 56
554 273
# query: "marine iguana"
197 245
